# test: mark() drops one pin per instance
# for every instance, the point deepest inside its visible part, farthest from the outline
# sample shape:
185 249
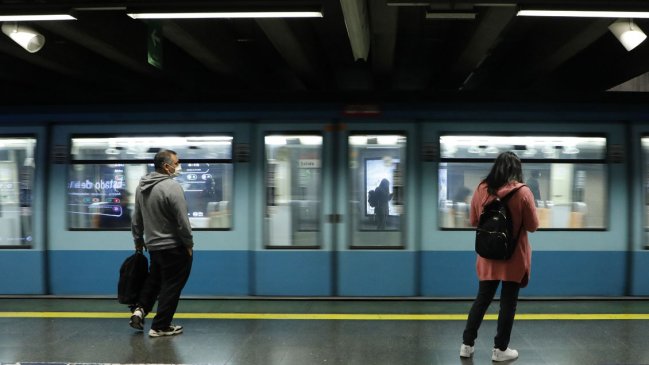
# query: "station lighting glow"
40 17
228 15
584 13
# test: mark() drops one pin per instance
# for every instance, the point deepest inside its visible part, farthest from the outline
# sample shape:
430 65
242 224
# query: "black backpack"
371 198
132 275
494 235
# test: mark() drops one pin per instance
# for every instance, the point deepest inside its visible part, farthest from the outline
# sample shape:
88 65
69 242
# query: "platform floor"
328 332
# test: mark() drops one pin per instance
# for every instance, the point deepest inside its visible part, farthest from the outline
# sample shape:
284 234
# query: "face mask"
176 172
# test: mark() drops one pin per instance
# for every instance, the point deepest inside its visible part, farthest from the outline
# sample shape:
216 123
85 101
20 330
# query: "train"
278 196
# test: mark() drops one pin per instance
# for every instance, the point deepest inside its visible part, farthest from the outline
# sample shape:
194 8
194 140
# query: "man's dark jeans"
168 274
508 301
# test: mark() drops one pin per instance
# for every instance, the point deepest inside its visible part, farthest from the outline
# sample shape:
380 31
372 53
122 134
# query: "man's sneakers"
137 322
466 351
137 319
508 354
169 331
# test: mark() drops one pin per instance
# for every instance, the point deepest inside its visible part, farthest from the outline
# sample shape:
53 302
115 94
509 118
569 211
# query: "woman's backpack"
372 198
494 235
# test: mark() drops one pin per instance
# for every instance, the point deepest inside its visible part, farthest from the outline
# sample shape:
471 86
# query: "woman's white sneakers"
497 354
466 351
508 354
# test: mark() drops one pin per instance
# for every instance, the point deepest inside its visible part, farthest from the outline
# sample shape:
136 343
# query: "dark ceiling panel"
102 56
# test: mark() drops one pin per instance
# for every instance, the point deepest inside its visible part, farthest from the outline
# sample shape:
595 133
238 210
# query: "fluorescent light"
585 13
26 18
259 14
388 140
311 140
275 140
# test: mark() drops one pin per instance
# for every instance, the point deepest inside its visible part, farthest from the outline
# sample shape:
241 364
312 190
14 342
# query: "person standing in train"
160 224
382 209
506 174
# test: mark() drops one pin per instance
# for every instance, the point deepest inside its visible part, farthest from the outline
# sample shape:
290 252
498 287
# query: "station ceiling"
462 50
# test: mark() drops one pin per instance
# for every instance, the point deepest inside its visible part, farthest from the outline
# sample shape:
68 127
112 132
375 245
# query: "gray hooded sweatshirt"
160 216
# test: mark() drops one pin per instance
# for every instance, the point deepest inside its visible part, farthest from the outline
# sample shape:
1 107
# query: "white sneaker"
169 331
466 351
509 354
137 319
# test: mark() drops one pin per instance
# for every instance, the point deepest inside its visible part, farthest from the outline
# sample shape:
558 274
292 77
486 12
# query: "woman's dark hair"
507 168
384 184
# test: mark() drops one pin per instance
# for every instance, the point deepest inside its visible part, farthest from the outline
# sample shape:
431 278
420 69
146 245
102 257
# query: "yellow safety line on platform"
344 317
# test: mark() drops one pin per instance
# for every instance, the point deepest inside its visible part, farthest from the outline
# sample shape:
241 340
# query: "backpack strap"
505 198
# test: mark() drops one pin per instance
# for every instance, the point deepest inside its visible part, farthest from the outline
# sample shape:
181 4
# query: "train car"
283 200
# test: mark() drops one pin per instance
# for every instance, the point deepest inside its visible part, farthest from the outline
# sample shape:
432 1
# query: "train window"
104 172
16 185
144 148
293 190
645 153
567 176
377 177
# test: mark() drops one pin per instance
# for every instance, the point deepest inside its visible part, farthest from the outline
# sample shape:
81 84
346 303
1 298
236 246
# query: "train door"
22 246
320 234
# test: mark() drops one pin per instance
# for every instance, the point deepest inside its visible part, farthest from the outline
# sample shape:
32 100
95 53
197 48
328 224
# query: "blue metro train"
278 196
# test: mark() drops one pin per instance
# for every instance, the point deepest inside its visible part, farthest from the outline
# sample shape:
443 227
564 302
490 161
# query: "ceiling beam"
292 50
74 32
212 48
624 67
37 59
342 72
195 47
357 23
544 66
383 37
57 74
485 38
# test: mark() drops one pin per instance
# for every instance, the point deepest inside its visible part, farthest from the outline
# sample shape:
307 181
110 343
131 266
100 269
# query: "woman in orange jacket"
506 175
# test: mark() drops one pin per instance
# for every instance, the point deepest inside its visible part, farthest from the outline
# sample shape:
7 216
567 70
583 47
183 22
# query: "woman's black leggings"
508 301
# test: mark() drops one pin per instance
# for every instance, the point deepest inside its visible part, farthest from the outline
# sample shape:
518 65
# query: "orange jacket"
523 212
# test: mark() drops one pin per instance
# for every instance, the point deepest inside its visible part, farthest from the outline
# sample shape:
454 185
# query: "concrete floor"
97 331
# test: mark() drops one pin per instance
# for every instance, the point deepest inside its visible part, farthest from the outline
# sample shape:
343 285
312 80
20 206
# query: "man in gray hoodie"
160 223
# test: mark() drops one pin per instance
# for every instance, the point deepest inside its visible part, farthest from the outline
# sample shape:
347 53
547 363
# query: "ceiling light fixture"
450 15
408 3
25 36
628 33
228 15
584 13
357 23
35 17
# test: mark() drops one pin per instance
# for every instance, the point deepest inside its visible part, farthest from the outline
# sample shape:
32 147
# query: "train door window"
567 175
16 185
293 190
104 172
377 178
